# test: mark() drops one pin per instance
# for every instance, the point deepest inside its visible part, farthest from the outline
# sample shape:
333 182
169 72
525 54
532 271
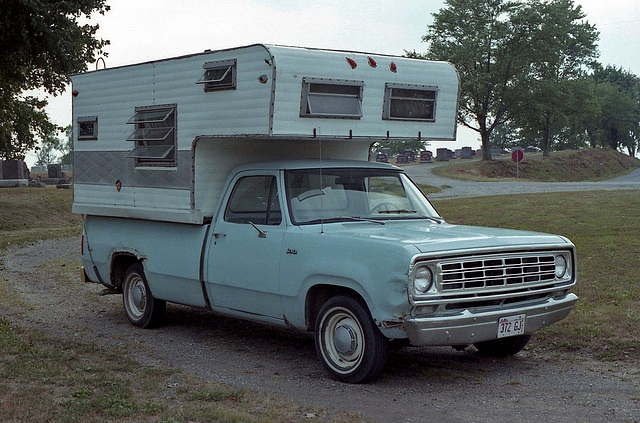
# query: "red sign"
517 156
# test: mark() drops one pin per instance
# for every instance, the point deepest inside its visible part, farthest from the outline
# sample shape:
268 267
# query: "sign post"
517 155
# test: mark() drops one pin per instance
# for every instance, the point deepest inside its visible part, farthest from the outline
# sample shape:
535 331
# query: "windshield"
333 195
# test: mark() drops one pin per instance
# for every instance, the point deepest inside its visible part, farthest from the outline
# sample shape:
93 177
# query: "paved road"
422 174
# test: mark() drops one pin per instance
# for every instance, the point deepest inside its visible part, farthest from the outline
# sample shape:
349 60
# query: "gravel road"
419 385
423 174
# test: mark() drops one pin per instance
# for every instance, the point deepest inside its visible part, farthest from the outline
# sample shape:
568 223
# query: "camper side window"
154 135
409 102
220 75
323 98
87 128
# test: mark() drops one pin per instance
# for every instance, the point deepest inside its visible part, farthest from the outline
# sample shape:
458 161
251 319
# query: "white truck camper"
239 181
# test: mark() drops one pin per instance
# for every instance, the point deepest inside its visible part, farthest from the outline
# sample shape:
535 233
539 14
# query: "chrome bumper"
468 328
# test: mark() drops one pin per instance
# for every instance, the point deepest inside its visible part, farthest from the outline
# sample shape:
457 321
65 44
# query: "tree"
45 154
505 51
52 144
41 42
66 147
618 92
487 49
565 45
505 136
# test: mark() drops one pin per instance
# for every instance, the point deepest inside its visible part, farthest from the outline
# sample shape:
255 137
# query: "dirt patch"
419 384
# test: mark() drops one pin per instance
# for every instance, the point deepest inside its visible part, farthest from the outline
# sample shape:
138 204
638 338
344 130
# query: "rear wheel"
347 341
141 308
503 347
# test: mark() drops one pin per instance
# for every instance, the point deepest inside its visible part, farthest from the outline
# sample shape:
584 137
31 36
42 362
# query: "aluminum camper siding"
216 131
113 94
293 64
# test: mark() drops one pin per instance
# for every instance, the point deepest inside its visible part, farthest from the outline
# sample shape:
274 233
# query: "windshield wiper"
360 219
397 211
341 219
405 211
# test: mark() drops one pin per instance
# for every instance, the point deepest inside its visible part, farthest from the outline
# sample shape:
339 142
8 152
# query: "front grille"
496 272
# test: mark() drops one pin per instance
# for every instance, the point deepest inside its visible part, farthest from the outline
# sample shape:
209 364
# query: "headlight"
422 280
561 266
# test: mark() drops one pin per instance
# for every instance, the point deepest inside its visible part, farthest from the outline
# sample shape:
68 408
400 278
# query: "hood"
428 237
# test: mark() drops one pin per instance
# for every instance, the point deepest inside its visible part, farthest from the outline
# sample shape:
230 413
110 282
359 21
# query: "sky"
145 30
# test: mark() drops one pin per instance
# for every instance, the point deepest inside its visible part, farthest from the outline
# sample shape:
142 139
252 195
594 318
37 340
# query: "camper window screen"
219 76
88 128
331 99
154 135
410 102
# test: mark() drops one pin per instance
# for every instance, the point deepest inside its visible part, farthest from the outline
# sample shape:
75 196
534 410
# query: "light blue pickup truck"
240 181
350 250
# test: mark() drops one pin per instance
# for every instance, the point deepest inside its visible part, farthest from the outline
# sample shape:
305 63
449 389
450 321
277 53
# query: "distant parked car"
531 149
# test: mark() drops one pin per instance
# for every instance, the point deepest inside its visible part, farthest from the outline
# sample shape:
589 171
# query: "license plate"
512 325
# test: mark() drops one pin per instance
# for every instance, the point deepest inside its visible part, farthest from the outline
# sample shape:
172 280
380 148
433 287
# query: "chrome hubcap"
138 297
342 340
345 340
135 297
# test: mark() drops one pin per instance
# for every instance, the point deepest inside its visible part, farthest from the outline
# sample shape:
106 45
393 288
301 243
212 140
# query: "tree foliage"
512 56
41 42
45 154
570 47
617 121
52 144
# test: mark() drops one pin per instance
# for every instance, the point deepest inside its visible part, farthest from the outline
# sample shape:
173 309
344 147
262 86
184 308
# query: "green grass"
561 166
430 189
49 379
604 226
31 214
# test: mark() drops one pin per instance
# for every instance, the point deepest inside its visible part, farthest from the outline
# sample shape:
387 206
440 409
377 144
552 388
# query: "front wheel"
141 308
347 341
503 347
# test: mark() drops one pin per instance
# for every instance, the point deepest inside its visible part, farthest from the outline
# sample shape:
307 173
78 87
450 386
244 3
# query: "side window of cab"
254 200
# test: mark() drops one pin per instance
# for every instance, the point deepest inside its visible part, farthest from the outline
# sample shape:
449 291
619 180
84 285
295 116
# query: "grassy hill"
562 166
30 214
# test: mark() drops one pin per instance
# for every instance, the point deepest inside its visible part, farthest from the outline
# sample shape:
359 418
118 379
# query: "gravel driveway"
423 174
419 385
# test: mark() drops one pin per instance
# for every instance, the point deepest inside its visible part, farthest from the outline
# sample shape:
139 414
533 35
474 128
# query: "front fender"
376 272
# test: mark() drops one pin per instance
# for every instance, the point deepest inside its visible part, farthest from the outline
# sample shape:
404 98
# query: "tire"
141 308
503 347
347 341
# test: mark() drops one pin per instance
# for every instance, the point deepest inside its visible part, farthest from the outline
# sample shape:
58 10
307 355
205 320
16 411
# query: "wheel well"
119 265
319 294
